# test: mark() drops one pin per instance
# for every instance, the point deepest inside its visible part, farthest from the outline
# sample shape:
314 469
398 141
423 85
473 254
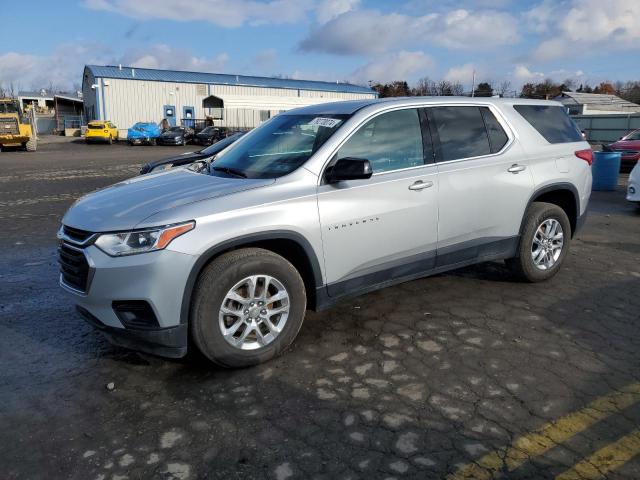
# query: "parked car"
209 135
99 131
629 146
176 136
143 133
190 157
319 204
633 187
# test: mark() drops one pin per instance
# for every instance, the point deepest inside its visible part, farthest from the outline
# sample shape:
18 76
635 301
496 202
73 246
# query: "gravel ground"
422 380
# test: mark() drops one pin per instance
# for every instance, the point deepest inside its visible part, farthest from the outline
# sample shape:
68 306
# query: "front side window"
461 132
390 141
277 147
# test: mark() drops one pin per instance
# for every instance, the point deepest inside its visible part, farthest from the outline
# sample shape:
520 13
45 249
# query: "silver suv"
319 204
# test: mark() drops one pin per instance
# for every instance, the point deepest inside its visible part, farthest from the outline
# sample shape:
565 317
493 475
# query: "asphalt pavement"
468 374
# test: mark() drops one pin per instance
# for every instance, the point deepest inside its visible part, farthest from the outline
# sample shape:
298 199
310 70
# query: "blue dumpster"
605 170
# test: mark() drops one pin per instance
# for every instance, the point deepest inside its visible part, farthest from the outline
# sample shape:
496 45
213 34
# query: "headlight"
141 241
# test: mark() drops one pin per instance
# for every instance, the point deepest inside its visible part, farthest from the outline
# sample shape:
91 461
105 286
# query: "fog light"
632 190
135 314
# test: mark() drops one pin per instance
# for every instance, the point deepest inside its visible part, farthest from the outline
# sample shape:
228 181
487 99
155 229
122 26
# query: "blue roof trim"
221 79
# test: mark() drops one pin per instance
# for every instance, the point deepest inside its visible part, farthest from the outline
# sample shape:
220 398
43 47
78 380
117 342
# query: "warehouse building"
126 95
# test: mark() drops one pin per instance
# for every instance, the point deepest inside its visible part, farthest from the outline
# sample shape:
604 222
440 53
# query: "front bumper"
170 141
158 278
139 140
633 191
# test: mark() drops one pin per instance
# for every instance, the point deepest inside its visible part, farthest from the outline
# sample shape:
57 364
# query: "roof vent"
119 66
133 72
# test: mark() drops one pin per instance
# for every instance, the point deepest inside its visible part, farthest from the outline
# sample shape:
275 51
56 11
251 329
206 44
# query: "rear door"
385 227
484 183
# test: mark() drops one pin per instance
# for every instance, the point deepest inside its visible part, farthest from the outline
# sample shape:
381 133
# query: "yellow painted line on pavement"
548 436
606 459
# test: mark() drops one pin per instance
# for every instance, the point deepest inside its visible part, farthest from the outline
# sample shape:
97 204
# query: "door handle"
420 185
515 168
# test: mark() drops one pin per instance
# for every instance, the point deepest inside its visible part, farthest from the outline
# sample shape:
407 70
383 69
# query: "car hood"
124 205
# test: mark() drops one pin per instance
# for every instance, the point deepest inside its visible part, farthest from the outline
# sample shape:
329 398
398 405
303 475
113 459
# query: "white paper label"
325 122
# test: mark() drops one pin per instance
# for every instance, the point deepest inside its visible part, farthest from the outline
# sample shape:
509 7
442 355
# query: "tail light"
586 155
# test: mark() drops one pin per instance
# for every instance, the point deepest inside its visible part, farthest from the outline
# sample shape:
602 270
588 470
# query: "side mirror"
349 168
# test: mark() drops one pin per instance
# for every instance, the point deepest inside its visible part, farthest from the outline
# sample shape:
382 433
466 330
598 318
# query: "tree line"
546 89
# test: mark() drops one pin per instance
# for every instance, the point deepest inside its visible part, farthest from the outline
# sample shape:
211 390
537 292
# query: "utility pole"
473 83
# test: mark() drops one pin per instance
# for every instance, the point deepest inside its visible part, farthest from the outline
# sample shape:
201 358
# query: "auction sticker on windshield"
325 122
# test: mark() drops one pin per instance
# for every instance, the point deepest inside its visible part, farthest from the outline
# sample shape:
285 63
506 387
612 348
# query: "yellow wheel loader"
16 128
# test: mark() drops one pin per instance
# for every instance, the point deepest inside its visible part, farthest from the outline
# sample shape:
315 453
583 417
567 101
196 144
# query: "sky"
44 43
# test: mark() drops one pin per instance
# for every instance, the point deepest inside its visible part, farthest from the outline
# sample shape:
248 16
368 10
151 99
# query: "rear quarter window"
552 122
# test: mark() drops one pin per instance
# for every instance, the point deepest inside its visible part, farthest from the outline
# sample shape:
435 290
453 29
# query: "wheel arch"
564 195
288 244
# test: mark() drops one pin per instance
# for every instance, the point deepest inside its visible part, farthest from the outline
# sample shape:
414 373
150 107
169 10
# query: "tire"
217 280
31 145
523 265
153 142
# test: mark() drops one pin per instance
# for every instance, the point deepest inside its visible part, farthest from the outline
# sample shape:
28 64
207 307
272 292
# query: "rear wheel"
31 145
544 243
248 306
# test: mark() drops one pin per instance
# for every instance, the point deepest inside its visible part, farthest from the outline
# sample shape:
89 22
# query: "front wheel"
31 145
247 307
544 243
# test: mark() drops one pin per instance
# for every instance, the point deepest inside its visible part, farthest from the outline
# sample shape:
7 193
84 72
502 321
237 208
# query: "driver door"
384 228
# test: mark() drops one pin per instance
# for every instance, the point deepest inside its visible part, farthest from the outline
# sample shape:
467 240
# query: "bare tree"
457 89
503 88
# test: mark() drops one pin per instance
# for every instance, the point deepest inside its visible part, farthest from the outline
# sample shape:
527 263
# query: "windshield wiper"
231 171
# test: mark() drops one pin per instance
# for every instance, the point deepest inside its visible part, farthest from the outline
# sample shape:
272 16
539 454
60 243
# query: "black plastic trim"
449 258
165 342
239 242
551 188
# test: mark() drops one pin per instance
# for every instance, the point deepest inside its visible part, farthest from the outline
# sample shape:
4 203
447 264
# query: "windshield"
8 107
633 136
176 129
278 147
207 130
220 145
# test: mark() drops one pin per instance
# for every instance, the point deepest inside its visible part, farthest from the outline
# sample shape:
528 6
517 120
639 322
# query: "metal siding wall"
130 101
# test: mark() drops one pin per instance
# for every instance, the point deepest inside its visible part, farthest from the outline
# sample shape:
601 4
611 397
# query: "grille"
9 125
73 267
76 234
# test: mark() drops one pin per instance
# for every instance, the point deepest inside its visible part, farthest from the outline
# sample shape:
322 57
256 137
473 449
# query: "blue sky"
45 42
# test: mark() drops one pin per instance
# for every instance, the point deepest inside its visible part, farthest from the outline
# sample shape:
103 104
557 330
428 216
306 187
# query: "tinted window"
390 141
551 122
461 132
497 136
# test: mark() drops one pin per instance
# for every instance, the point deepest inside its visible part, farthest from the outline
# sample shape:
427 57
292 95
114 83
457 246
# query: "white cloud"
329 9
462 74
224 13
522 74
164 57
372 32
63 67
582 25
396 66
